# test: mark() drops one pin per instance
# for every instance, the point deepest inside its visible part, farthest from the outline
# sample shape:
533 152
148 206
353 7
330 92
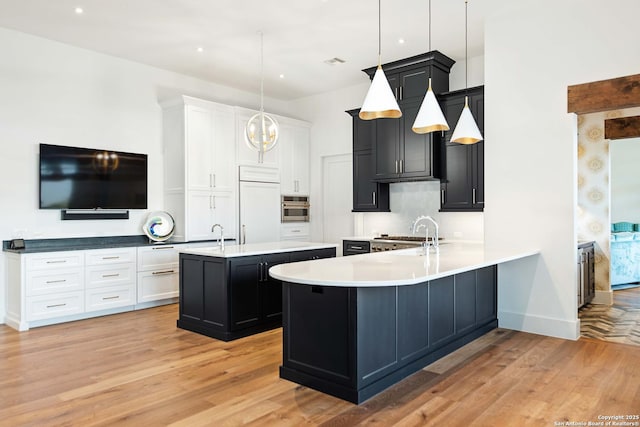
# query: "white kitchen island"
353 326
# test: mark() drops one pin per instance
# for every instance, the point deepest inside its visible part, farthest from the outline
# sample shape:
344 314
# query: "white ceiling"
299 35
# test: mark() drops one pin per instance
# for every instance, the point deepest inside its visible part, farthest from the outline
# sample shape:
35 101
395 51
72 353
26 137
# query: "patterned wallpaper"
594 190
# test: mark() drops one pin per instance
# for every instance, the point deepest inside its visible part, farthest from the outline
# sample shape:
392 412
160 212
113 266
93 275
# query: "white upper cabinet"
200 167
294 159
246 154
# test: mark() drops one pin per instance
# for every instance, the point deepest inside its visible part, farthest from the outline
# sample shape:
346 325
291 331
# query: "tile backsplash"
408 201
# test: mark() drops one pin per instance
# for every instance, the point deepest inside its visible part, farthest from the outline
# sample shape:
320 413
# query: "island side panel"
319 338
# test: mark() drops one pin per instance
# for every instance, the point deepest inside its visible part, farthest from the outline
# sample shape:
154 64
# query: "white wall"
534 49
57 94
625 180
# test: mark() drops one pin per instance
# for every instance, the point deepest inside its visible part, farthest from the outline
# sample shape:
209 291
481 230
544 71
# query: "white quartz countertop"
256 249
400 267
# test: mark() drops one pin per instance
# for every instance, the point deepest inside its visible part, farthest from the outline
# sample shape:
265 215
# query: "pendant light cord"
379 33
261 72
429 25
466 47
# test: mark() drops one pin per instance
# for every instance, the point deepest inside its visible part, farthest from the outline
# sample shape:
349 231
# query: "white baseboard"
559 328
603 297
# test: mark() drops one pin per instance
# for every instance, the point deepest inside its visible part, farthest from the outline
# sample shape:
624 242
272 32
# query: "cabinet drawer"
158 257
294 230
109 275
43 282
110 297
157 285
110 256
51 260
49 306
355 247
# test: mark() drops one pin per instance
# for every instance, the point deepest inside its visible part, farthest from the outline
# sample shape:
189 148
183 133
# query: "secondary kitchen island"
353 326
228 294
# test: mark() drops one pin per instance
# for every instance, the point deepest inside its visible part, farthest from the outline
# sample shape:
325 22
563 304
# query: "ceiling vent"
334 61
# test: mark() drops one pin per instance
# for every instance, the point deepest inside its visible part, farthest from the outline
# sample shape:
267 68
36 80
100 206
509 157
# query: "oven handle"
293 205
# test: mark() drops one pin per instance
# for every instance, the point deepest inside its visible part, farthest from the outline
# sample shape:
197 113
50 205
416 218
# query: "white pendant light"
430 117
466 131
261 132
380 101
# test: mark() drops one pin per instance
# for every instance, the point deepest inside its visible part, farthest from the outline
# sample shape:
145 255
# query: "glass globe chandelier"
261 132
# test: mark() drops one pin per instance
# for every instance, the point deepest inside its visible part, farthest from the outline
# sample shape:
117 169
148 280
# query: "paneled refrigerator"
259 204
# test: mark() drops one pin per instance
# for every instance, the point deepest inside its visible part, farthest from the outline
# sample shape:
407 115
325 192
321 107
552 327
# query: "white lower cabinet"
158 277
110 278
299 231
44 307
107 297
157 285
54 287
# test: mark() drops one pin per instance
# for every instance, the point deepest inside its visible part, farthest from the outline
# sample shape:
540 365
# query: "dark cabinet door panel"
416 148
487 298
386 148
245 273
413 341
462 165
191 289
214 301
441 310
465 301
270 288
376 320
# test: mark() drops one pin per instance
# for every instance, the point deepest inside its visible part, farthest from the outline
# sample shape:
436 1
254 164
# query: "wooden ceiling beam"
623 127
605 95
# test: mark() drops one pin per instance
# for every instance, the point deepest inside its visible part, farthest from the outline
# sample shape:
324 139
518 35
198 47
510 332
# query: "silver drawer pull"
162 247
163 272
62 261
111 275
355 247
57 281
56 305
110 257
107 298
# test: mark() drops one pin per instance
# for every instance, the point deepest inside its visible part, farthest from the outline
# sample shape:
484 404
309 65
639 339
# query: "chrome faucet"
221 239
416 227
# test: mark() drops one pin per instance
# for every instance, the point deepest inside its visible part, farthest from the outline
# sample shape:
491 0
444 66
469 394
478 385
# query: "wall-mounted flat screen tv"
83 178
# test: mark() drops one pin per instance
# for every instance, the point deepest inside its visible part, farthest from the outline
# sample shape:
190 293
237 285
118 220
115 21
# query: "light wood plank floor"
138 369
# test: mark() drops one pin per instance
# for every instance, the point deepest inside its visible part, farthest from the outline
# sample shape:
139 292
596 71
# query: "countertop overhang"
400 267
231 251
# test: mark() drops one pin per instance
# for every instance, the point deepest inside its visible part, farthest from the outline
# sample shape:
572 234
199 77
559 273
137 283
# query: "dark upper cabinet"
399 153
462 166
368 196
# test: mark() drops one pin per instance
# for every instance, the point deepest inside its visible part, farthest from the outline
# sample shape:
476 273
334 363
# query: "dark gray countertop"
81 243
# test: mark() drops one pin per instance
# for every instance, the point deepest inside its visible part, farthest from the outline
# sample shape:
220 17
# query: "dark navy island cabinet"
230 298
353 342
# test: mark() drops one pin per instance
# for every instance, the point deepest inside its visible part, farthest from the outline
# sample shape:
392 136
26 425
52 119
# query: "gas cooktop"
402 238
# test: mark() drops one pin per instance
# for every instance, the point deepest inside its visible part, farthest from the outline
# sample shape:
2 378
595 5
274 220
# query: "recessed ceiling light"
200 49
400 41
282 76
79 11
335 61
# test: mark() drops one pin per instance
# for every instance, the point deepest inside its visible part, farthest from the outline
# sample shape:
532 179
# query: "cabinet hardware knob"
56 281
373 194
110 257
473 196
396 166
442 196
111 275
62 261
108 298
